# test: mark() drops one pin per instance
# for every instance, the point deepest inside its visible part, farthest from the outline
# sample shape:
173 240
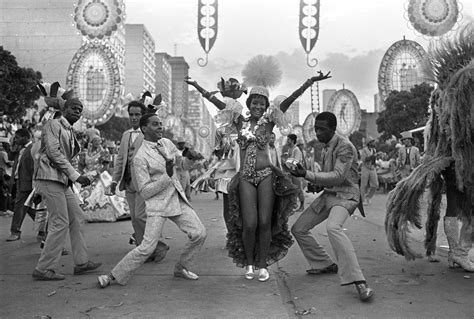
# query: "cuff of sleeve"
74 176
309 176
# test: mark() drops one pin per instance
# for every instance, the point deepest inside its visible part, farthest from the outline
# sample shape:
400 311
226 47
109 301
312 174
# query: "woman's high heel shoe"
249 274
263 274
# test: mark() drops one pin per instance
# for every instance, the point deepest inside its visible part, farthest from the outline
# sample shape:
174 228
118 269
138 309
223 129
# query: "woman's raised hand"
321 76
190 82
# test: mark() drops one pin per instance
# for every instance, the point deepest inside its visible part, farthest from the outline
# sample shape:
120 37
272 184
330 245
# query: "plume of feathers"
403 204
448 139
153 103
262 70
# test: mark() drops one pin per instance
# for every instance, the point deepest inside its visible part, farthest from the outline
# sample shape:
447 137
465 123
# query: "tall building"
327 94
198 116
179 89
41 35
163 76
294 113
379 105
139 60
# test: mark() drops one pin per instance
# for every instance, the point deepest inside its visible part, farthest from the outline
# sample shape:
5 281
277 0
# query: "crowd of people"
149 178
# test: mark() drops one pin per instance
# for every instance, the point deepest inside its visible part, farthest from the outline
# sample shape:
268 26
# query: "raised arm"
285 104
209 96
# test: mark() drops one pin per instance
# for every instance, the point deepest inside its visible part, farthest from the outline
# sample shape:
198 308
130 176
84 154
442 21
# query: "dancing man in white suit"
165 199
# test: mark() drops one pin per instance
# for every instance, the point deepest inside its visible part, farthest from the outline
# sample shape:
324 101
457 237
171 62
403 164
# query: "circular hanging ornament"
95 78
345 106
204 131
98 18
400 67
433 17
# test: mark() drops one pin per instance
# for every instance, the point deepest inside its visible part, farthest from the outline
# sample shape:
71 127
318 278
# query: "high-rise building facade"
41 35
179 89
139 60
379 105
294 113
198 117
163 76
327 94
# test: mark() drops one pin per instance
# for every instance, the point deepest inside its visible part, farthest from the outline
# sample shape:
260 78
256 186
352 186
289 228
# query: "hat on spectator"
405 135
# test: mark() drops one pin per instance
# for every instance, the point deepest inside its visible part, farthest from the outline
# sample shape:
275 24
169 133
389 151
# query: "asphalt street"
416 289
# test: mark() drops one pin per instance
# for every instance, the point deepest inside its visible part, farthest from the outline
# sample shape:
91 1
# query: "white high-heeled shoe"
263 274
249 274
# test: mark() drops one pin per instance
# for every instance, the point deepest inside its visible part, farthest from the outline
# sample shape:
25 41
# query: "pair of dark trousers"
20 212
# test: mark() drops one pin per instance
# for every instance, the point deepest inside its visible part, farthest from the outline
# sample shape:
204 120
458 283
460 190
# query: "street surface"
403 289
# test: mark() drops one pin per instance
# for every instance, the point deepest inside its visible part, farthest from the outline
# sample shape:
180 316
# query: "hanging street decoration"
433 17
207 26
204 131
309 27
97 19
400 69
94 76
345 106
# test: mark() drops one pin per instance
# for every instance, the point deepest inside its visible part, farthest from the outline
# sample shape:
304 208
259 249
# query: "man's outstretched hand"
299 171
321 76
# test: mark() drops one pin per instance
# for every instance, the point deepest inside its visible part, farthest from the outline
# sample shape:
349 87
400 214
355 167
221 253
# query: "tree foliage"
114 128
17 85
404 111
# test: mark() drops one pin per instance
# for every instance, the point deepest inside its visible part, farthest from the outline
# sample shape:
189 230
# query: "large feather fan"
448 139
262 70
403 204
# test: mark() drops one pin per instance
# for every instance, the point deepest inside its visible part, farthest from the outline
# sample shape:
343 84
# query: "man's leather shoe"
331 269
14 237
365 293
180 271
47 275
88 266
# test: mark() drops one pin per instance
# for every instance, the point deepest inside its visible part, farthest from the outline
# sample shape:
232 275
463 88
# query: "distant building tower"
379 106
201 122
294 113
163 77
327 94
139 60
41 35
179 89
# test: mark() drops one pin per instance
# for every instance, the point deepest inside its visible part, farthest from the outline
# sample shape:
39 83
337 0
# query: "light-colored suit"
165 199
341 196
53 179
124 179
415 160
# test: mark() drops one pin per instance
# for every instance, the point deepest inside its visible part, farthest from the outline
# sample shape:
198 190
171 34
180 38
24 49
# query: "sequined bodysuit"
251 145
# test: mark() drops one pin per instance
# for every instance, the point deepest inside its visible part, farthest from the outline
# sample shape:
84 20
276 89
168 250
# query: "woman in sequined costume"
261 197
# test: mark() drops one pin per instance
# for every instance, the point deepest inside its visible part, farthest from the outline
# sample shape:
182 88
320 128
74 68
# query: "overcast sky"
353 37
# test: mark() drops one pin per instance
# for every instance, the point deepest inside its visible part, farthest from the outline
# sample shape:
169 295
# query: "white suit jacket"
162 193
123 154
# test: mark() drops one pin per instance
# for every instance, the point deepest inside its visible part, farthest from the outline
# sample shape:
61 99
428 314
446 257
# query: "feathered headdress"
153 103
231 85
55 97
